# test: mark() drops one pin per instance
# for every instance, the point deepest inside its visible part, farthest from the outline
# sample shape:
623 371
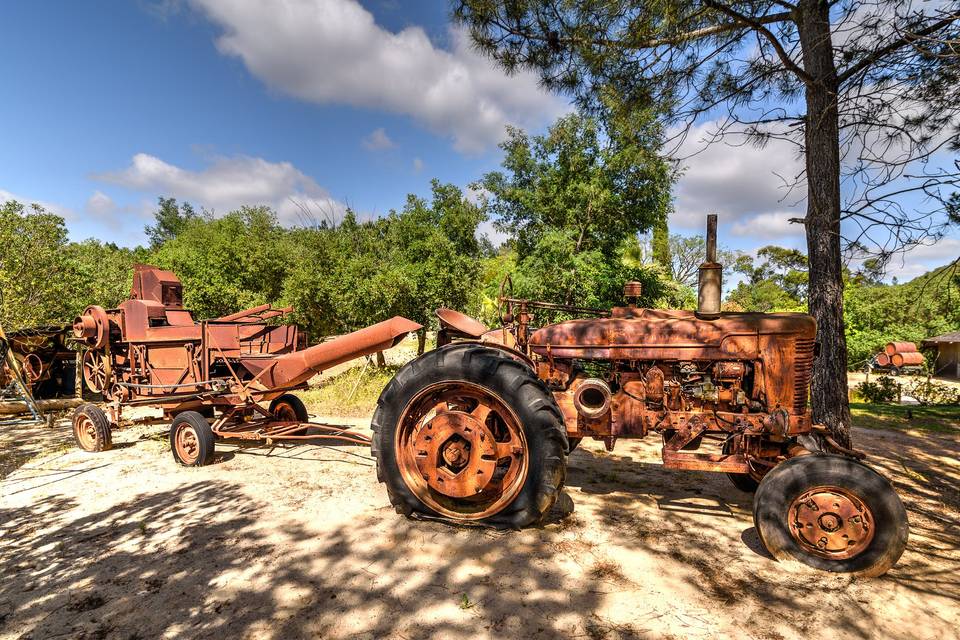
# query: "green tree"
407 263
99 273
847 82
572 199
229 263
170 220
33 289
787 268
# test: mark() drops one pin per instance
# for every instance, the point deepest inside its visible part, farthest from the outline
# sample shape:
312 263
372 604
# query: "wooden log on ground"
17 407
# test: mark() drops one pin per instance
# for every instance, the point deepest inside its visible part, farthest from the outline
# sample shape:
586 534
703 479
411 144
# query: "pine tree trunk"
421 341
822 137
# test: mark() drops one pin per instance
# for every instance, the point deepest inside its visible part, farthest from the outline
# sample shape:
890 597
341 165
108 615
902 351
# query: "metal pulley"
93 327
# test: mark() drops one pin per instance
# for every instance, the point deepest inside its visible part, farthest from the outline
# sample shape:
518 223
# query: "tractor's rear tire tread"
104 437
528 393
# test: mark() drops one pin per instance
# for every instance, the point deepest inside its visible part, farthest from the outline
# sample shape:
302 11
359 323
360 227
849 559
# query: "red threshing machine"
209 376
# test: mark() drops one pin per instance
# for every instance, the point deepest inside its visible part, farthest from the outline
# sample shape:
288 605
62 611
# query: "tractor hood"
632 333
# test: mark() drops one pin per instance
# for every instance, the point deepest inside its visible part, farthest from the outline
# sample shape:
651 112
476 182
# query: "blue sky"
314 103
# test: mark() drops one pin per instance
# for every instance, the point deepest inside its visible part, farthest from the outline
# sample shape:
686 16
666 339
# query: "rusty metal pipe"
710 285
592 398
242 314
297 367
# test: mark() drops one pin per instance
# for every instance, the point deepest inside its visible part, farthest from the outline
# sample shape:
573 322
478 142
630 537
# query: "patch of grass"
465 602
898 416
352 393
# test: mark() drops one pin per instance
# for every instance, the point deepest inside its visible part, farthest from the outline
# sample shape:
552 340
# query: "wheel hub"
456 454
86 432
461 450
831 522
187 444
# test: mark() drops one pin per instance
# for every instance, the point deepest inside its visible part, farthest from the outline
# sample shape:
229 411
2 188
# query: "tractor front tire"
831 513
91 429
191 440
466 433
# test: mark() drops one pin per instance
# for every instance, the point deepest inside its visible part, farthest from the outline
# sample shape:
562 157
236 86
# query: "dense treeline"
576 206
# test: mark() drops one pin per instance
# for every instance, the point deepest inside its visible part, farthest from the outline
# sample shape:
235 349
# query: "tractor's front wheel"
469 434
832 513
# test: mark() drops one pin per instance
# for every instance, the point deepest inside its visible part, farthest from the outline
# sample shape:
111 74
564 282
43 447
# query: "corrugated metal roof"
947 337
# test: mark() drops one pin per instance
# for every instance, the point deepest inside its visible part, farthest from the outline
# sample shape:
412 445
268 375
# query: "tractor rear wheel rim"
831 522
187 444
86 432
461 450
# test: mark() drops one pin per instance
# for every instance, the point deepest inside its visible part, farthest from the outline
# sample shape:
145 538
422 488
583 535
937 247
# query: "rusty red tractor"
479 429
210 377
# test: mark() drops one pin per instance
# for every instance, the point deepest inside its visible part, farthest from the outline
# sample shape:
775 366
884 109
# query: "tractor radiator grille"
802 370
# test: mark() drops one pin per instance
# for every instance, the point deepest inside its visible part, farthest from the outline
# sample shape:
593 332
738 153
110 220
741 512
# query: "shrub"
928 392
883 390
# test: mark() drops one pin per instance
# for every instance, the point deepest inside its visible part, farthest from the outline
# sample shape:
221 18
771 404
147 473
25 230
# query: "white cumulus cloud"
230 182
66 213
333 52
744 184
100 204
377 140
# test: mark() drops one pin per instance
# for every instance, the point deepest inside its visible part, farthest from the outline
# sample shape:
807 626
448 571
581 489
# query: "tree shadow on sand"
206 561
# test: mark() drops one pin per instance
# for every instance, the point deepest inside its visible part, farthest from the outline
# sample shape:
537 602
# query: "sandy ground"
299 542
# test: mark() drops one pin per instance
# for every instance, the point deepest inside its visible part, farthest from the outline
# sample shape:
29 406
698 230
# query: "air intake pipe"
592 398
710 285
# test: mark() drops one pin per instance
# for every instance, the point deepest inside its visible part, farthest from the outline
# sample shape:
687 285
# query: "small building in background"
948 354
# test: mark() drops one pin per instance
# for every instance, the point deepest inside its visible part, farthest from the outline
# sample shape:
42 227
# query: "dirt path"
299 542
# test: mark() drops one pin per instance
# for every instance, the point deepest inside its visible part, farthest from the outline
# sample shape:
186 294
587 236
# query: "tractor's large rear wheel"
832 513
467 433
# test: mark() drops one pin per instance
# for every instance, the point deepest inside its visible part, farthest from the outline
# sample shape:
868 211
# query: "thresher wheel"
91 428
191 439
32 367
95 371
467 433
832 513
289 408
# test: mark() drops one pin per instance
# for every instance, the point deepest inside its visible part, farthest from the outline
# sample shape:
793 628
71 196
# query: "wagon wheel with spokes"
95 373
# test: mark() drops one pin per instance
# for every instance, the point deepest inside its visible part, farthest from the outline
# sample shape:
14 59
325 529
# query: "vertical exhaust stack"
711 275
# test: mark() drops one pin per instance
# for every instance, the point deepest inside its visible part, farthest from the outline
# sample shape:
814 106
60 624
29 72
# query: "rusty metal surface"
738 381
461 323
42 358
151 351
461 450
831 522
